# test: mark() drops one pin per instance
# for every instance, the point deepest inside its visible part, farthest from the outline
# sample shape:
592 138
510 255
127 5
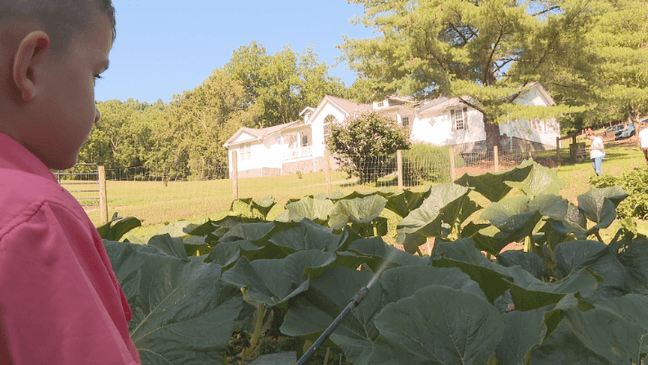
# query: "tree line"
591 56
254 89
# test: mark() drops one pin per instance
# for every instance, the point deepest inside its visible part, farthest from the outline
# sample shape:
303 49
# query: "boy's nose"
97 115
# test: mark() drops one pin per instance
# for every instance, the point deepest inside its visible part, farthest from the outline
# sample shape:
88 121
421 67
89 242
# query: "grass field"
156 204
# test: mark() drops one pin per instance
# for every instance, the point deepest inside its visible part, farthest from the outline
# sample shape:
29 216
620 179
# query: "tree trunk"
492 134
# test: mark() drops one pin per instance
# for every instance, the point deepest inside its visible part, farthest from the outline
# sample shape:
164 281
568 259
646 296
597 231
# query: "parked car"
626 132
614 128
643 122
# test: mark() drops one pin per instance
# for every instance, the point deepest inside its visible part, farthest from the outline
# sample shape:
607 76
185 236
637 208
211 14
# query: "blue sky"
164 47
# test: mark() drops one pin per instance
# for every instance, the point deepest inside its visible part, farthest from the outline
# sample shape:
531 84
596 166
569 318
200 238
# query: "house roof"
349 106
259 133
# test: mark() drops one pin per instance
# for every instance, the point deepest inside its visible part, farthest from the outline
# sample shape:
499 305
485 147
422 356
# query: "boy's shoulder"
22 194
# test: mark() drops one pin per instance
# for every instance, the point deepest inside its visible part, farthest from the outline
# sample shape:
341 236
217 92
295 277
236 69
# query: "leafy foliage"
365 141
634 183
184 138
477 51
424 162
575 300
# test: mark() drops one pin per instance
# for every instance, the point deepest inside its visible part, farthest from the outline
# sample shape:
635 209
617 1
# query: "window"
459 121
405 121
327 125
246 152
304 141
380 104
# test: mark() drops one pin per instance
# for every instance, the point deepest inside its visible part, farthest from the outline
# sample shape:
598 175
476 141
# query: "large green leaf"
357 210
317 210
541 180
248 231
492 185
633 256
275 281
490 282
305 235
596 336
250 208
402 203
427 220
632 307
174 229
383 256
574 222
314 310
461 250
173 246
437 325
597 208
572 256
527 260
404 281
522 331
226 254
181 309
118 227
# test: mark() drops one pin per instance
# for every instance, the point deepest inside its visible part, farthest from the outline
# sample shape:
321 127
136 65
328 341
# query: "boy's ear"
31 52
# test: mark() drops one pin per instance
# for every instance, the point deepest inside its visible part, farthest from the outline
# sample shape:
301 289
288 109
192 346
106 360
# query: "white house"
299 145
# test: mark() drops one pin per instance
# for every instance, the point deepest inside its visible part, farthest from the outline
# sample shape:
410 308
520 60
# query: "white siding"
437 130
318 128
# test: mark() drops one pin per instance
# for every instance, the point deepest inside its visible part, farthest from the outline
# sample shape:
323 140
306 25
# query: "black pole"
359 295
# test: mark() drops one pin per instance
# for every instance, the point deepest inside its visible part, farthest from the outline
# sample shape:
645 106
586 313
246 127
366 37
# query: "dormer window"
405 121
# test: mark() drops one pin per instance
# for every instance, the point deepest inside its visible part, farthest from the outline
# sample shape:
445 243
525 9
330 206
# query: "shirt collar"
15 156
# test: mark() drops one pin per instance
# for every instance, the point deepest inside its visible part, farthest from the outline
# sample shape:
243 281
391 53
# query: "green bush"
425 162
635 184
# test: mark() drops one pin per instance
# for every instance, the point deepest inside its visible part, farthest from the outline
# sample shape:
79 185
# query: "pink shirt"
60 302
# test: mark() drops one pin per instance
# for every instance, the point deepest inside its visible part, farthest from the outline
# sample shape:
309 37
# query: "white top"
597 148
643 137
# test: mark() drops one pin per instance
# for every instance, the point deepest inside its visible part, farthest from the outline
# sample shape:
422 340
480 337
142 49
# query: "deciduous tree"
482 51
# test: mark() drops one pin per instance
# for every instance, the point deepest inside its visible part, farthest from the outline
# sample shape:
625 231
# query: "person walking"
597 152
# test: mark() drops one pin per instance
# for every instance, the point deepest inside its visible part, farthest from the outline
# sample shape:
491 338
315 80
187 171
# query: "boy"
60 302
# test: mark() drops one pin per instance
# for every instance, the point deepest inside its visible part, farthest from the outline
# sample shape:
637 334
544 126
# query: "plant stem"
528 244
598 236
328 351
257 331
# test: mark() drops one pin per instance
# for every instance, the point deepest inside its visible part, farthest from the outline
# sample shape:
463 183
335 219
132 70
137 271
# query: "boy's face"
66 96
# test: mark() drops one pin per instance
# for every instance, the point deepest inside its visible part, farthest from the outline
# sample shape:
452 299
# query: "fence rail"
87 183
174 194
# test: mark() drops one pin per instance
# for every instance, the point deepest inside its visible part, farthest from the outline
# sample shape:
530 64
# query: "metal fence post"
234 175
103 200
399 163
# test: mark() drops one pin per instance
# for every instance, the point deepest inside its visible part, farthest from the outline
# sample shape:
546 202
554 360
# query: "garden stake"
359 295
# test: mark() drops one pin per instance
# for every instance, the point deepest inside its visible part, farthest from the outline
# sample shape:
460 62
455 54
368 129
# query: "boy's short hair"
60 19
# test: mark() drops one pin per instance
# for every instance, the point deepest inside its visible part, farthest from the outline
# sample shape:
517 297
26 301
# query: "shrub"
364 143
635 184
425 162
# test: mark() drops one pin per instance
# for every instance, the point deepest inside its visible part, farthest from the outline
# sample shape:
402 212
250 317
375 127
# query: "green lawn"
156 204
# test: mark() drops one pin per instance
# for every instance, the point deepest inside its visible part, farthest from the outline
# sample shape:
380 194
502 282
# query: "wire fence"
175 194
